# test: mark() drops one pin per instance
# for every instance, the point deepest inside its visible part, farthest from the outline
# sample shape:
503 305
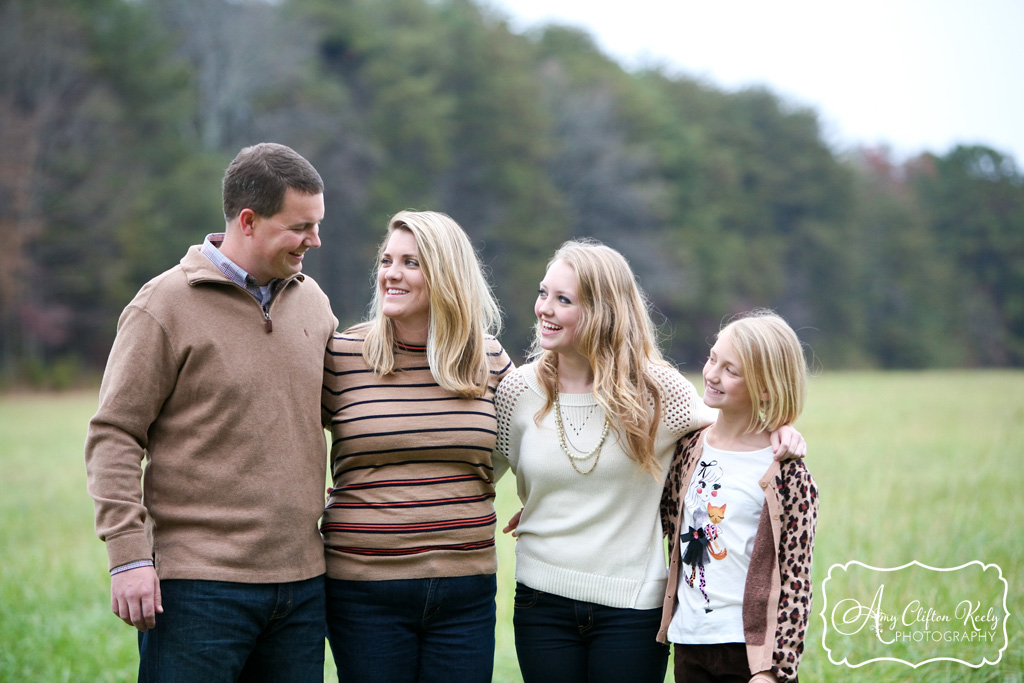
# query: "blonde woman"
589 428
740 614
409 523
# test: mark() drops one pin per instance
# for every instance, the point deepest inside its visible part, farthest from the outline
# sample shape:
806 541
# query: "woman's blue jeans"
570 641
219 631
413 630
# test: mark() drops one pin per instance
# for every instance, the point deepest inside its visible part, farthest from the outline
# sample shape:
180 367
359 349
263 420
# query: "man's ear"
246 221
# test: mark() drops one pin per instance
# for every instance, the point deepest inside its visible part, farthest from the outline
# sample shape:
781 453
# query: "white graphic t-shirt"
721 511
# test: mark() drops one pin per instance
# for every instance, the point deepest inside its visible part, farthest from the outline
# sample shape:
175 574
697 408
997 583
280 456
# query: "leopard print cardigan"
778 591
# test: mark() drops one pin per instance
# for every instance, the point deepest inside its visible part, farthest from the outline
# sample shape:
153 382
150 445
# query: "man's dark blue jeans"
213 631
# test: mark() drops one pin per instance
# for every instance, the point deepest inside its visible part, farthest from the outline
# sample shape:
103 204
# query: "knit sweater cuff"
129 547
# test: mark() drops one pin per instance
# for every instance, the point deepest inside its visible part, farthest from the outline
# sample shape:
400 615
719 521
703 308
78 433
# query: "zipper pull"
269 323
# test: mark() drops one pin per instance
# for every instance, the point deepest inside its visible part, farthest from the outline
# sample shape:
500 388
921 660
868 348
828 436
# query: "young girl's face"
724 386
557 308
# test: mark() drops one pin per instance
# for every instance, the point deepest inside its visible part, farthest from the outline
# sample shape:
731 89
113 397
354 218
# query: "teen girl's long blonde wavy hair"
463 311
618 337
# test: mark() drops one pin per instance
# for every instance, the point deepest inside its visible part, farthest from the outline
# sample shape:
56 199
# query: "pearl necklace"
563 442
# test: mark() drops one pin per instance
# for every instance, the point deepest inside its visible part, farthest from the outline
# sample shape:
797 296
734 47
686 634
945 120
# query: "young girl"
739 593
589 428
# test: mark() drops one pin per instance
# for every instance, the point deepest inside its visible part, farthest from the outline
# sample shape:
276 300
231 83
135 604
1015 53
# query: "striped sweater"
413 493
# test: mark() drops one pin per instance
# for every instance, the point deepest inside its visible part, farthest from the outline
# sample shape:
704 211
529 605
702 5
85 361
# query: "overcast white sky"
911 74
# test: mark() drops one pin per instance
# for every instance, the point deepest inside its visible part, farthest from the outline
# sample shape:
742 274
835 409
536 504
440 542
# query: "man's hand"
135 597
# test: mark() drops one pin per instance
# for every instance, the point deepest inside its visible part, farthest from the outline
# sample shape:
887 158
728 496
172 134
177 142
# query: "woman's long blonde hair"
617 336
463 311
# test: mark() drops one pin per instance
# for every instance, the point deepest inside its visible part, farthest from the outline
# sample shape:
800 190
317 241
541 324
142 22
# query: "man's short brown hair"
259 176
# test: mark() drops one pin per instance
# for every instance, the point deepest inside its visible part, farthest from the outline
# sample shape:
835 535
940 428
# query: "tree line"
117 118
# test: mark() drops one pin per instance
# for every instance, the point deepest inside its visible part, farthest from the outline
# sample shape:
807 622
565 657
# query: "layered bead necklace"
568 447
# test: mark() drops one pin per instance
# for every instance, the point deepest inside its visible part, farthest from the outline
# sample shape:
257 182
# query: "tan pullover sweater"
222 417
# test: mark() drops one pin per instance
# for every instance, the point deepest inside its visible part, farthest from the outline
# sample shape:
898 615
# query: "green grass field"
910 466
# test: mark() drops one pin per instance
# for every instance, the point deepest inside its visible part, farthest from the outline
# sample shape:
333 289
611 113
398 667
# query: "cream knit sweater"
594 537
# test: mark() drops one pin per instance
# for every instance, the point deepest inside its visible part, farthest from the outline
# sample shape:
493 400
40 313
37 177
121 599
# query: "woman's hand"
513 523
788 443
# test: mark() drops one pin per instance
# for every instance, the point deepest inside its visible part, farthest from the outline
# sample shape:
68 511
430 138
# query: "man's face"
279 243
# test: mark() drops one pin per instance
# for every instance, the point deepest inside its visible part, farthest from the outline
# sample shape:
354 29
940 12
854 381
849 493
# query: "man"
213 382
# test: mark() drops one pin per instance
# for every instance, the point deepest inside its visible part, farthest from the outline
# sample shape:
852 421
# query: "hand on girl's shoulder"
788 443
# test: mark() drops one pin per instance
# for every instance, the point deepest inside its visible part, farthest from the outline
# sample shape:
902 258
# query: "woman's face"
403 288
558 309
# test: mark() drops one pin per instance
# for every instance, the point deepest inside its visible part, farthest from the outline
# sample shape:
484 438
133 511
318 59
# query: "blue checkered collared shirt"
231 270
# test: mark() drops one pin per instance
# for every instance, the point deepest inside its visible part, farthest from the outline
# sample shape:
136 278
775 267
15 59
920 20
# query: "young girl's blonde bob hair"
463 311
616 334
774 368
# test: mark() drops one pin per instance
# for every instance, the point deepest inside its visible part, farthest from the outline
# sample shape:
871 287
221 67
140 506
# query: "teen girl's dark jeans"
570 641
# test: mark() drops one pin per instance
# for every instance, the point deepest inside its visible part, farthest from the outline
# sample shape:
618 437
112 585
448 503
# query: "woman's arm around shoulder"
506 408
683 410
